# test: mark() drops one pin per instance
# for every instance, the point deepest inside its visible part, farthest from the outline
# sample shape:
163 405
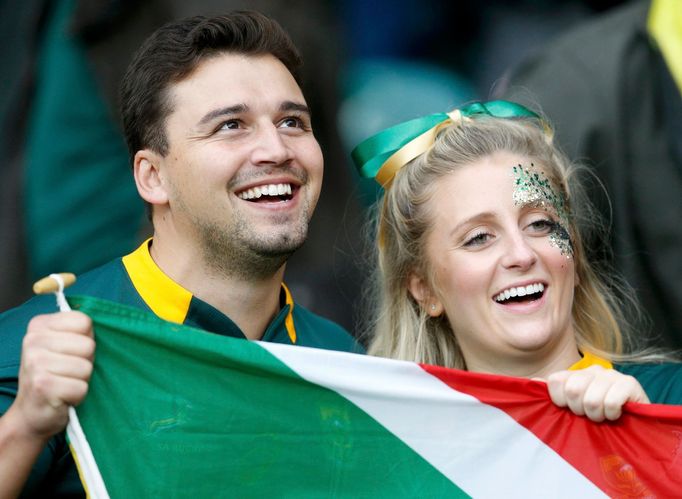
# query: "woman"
482 265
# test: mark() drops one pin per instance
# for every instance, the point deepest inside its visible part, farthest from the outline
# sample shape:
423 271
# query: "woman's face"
503 268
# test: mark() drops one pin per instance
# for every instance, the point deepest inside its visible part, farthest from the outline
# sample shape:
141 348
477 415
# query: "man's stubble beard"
239 251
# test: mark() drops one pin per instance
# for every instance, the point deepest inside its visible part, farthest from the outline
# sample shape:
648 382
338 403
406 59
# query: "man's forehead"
235 68
229 79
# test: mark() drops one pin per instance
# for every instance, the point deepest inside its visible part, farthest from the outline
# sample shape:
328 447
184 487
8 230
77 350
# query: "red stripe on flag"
640 455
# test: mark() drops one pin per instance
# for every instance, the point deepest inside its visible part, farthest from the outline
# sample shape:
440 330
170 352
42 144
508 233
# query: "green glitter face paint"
532 187
560 238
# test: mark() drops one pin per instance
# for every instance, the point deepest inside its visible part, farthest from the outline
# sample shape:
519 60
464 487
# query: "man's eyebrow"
242 108
294 106
223 111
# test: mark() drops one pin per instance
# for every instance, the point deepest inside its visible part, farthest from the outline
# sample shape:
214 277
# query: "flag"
173 411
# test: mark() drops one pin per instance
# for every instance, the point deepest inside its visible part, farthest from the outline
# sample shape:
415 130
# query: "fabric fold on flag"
177 412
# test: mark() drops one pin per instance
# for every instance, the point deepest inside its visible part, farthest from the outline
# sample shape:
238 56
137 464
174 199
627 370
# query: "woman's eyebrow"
539 202
479 217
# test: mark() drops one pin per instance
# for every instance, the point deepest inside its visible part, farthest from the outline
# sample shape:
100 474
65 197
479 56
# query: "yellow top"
665 26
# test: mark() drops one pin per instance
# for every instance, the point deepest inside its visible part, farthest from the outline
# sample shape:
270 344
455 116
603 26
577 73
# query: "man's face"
243 171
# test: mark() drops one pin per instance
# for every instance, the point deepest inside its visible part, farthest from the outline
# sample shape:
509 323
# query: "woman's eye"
542 225
478 239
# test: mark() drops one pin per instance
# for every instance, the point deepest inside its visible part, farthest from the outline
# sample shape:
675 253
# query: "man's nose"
270 147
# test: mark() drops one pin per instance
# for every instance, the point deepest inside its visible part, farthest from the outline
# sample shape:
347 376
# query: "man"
67 51
223 152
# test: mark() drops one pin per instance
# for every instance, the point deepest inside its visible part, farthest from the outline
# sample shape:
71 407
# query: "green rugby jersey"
136 280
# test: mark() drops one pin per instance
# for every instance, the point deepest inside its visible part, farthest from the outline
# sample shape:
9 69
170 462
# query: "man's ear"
423 295
146 169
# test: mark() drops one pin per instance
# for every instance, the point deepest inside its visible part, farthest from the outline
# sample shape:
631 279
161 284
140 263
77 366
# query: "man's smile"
268 193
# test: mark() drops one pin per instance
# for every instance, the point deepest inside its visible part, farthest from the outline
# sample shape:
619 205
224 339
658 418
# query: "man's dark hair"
174 51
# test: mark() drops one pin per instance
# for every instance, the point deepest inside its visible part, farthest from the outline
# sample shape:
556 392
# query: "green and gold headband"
383 154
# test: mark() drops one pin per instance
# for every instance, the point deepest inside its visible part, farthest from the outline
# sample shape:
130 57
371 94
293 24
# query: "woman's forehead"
487 174
499 181
533 187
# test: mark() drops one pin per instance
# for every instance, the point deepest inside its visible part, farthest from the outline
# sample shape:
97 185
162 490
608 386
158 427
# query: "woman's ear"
147 173
423 295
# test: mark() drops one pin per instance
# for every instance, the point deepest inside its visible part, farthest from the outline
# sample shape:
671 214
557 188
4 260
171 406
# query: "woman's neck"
536 364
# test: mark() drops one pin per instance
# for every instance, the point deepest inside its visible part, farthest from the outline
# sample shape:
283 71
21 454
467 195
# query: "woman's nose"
518 253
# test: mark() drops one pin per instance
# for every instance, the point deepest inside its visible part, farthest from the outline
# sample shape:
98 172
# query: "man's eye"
229 125
478 239
293 122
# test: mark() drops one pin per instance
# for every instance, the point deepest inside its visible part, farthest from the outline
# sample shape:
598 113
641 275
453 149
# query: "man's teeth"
266 190
520 291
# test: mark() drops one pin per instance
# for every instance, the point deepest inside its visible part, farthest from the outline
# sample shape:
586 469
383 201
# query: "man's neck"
250 303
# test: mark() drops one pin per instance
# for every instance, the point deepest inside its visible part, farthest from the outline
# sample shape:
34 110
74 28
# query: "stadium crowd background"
67 200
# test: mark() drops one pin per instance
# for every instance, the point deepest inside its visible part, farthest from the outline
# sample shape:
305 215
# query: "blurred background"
68 201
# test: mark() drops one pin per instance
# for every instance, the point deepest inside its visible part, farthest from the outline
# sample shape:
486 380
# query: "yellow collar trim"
589 359
665 26
289 319
167 298
163 295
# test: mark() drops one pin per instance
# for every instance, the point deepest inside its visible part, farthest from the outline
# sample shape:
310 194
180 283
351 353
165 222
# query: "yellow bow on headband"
383 154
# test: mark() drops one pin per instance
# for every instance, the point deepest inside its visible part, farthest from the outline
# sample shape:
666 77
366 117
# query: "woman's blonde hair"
402 329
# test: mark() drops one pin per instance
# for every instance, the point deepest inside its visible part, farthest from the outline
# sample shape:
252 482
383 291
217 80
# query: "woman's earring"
433 307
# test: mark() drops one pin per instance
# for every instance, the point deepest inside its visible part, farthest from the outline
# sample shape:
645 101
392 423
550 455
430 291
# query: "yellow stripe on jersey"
589 359
289 320
163 295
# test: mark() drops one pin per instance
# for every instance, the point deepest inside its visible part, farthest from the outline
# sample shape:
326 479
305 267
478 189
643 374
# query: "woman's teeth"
518 291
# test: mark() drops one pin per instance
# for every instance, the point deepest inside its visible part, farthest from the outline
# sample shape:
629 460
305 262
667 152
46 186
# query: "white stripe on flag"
94 484
86 461
478 447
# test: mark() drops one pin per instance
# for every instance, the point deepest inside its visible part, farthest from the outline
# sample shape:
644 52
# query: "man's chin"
281 249
258 253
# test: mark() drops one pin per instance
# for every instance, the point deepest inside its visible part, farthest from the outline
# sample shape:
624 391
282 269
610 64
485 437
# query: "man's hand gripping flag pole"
88 471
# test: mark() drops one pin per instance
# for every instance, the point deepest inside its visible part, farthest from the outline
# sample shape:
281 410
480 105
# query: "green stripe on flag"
173 411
